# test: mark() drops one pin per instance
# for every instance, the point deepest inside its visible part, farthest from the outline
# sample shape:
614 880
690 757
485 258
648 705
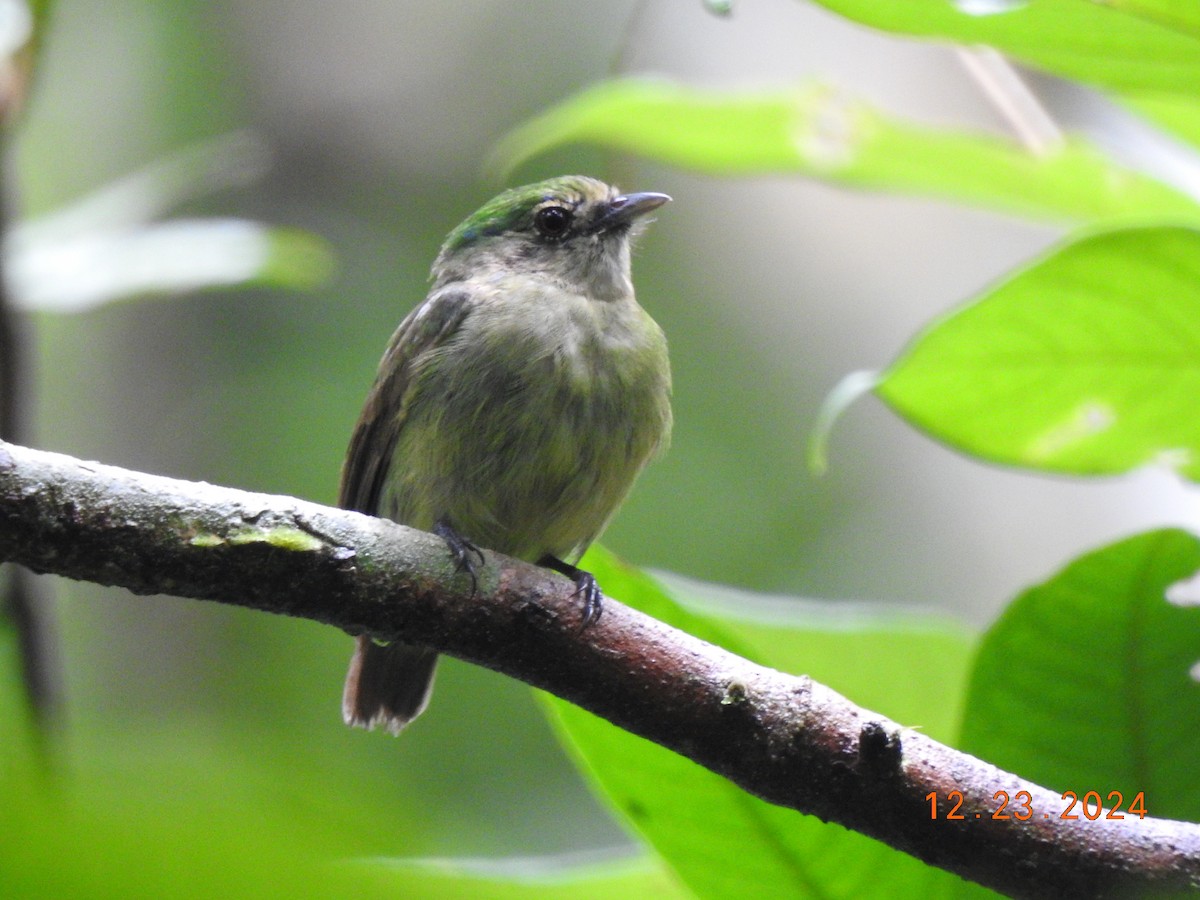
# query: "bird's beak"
624 209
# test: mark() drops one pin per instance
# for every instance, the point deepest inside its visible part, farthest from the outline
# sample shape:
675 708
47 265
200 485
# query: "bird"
513 408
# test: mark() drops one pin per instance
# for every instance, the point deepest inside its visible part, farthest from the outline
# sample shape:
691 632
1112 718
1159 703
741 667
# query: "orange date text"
1020 807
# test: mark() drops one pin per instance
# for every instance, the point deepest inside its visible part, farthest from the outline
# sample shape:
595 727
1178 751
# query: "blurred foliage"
204 756
820 132
1124 46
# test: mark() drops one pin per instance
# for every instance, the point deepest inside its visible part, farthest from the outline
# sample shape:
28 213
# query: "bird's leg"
462 550
585 587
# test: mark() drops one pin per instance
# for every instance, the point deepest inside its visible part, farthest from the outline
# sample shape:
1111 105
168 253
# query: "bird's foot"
585 587
464 552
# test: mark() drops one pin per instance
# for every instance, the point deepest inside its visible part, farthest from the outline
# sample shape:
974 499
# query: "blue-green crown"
512 209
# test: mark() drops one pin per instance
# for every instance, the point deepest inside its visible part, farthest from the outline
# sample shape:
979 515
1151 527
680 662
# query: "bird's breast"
535 421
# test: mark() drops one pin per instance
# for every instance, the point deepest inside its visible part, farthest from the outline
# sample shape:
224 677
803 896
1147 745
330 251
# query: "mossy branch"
784 738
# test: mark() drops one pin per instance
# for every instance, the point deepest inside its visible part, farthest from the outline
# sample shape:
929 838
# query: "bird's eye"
553 221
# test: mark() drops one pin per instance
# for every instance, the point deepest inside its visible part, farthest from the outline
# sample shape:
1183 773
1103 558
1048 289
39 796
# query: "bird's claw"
586 587
462 550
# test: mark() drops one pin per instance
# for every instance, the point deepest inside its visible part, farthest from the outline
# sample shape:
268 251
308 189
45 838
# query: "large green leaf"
1085 682
1086 362
822 133
1181 17
723 842
1123 44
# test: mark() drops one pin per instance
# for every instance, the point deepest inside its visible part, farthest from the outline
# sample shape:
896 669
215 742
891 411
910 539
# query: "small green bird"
514 408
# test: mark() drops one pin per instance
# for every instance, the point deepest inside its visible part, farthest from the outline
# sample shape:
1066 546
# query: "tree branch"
784 738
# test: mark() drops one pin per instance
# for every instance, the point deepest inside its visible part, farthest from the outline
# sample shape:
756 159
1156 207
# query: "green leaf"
182 255
1085 682
295 258
521 879
1086 362
854 647
820 132
1180 17
721 841
1126 44
187 174
107 247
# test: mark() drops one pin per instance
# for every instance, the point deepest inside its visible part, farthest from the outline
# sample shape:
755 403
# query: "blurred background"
368 123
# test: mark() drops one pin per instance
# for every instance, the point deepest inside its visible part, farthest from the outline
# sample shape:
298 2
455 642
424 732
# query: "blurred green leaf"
821 132
185 812
1177 113
1123 44
16 27
177 827
848 645
721 8
74 275
1085 683
41 11
18 741
723 842
1086 362
195 171
107 247
295 259
528 879
1181 17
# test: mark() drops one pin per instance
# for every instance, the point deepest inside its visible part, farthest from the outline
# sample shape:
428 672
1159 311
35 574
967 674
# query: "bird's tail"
388 684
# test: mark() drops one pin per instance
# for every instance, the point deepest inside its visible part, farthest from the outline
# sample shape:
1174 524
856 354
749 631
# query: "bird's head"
572 230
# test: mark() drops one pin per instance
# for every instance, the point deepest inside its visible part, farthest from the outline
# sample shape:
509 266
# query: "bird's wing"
369 456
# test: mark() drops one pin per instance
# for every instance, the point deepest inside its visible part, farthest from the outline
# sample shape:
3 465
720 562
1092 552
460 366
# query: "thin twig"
1011 96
